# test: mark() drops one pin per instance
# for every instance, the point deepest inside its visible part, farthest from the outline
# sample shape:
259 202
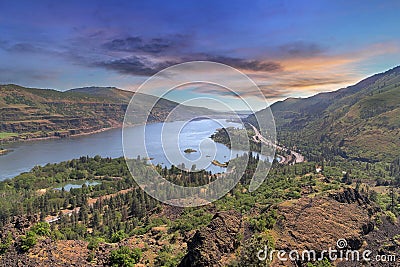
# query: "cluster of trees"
394 170
34 193
178 175
111 218
242 138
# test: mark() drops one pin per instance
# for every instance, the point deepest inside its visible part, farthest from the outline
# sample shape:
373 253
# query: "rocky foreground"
306 223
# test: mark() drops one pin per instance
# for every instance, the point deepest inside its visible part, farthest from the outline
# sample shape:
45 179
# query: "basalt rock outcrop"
211 244
350 195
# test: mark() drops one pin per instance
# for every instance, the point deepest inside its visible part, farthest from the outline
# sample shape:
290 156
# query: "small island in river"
219 164
4 151
190 150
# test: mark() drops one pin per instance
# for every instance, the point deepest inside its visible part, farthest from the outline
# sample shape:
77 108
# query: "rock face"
209 245
352 196
349 195
317 223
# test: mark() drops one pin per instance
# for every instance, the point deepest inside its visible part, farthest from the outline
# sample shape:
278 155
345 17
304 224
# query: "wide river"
194 134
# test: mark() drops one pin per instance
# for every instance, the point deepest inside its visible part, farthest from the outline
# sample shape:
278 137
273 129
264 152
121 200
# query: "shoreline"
59 137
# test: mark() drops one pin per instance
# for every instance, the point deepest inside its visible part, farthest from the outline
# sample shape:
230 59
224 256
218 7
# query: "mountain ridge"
359 121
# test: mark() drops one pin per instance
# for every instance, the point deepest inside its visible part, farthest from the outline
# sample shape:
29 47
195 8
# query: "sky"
289 48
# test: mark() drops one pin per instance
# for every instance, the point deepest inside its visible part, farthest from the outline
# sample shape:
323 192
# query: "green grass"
5 135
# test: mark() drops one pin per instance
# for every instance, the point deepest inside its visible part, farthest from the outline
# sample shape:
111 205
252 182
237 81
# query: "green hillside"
360 122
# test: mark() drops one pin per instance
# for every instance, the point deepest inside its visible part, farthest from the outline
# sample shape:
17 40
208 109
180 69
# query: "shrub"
391 216
248 255
166 257
28 240
125 256
118 236
5 244
264 221
94 243
41 228
323 263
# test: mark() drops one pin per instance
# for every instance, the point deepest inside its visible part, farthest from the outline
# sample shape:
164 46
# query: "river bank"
56 135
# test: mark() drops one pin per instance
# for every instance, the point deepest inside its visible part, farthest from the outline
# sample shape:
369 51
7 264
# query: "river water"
194 134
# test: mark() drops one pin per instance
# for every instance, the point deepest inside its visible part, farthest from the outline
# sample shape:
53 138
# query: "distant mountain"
360 122
43 113
109 93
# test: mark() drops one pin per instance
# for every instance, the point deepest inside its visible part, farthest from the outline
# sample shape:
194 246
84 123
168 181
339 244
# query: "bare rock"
210 244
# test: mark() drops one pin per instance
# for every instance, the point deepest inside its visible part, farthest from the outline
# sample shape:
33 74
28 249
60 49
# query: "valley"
333 181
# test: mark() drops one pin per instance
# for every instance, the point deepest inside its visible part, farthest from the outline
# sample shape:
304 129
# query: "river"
26 155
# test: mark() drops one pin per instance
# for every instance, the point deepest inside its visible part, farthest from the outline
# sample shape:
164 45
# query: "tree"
96 219
347 179
83 214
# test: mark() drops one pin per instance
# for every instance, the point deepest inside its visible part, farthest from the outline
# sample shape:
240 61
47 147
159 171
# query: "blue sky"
289 48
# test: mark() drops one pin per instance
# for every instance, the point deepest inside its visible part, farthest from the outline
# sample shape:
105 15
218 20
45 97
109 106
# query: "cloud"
215 90
137 55
152 46
22 47
8 75
301 49
297 68
135 65
273 92
300 69
267 91
148 65
245 64
312 81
